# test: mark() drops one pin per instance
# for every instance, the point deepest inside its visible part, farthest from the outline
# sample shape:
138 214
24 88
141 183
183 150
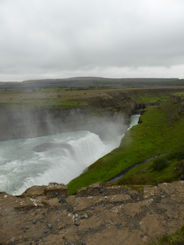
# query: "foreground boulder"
52 190
97 214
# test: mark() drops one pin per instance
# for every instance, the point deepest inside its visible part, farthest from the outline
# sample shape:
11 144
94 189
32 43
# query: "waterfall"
54 158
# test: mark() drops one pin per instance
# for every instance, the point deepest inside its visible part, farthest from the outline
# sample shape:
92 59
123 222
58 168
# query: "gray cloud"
59 38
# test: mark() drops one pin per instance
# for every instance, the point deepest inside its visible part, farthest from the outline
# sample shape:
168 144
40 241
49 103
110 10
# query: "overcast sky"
110 38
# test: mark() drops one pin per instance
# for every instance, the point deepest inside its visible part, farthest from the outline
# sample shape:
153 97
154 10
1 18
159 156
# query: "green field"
43 99
161 131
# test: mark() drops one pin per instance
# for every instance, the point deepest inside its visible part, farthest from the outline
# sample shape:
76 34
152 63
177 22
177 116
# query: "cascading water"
55 158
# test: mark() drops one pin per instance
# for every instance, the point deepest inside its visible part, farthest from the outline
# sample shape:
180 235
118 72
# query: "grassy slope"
166 136
161 131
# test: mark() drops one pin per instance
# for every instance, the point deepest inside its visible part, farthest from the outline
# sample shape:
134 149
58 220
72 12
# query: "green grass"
176 238
180 94
46 98
166 168
161 131
43 103
56 103
147 174
147 97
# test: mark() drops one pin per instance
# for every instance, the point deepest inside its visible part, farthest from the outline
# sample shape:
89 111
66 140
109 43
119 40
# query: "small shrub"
160 164
176 155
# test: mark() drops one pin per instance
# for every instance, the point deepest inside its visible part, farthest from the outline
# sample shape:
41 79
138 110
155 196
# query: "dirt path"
111 215
119 176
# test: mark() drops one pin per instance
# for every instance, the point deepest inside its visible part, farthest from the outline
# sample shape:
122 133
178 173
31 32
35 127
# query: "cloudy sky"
110 38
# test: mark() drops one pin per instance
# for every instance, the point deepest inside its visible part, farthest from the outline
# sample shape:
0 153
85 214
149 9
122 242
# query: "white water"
55 158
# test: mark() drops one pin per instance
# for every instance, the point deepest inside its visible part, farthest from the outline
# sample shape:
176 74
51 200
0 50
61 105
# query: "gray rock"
34 221
76 219
61 200
182 176
84 216
49 226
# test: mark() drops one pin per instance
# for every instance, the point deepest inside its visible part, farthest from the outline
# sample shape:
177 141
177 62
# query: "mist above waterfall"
26 122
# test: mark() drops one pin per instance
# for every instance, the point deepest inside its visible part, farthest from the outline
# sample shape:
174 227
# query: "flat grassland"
64 97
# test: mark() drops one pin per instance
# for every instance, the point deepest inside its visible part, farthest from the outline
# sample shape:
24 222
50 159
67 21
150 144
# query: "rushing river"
54 158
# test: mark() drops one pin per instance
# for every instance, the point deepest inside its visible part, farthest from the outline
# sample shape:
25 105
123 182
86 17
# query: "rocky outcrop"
52 190
97 214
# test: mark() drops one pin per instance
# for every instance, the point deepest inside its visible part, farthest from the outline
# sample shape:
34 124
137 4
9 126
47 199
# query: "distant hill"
94 82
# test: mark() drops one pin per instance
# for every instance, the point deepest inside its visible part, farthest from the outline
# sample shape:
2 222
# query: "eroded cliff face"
95 215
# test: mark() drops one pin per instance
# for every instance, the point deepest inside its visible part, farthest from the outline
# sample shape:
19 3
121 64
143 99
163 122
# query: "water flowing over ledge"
55 158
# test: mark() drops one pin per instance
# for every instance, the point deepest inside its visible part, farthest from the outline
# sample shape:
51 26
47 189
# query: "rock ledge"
97 214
